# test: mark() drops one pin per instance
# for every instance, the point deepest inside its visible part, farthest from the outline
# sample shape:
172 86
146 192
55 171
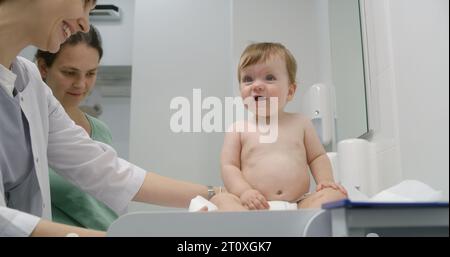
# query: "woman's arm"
165 191
48 228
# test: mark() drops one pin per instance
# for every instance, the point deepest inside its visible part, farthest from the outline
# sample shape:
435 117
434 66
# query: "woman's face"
73 73
58 20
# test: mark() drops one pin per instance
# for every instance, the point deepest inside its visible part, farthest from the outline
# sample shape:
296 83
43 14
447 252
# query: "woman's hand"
254 200
331 184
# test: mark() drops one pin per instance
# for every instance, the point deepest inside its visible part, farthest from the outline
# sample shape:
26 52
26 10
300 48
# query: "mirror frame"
369 93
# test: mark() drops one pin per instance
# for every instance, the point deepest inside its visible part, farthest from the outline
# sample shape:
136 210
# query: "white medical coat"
58 142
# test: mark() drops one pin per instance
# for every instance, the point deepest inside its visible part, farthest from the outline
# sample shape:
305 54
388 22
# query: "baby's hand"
331 184
254 200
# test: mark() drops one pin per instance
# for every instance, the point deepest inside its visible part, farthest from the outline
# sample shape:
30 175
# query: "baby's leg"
316 199
228 202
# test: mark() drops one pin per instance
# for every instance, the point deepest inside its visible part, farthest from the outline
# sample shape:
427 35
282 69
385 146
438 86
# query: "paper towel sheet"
199 202
409 191
406 191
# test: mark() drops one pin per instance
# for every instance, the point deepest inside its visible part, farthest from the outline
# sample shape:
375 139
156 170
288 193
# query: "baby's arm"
317 158
232 176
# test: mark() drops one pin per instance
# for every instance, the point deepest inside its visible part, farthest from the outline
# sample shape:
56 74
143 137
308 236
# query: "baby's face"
262 81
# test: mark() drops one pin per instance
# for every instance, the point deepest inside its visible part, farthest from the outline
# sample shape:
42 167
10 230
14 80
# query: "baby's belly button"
279 195
284 194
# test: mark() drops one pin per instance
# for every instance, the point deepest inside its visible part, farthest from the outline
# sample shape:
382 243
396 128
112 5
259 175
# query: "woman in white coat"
35 132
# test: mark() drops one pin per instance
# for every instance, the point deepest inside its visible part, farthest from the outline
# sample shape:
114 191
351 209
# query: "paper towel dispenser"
106 12
321 112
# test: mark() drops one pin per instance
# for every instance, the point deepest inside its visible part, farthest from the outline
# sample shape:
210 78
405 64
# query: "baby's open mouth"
259 98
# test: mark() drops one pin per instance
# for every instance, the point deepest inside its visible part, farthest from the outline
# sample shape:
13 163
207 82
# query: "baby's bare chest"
289 142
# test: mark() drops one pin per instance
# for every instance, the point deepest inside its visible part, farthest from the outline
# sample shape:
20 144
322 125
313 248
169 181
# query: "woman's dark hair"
91 38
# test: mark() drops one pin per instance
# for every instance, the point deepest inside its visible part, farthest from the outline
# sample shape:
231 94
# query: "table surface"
346 203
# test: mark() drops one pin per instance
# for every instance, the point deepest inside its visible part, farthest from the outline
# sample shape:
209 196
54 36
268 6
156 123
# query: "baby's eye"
247 79
270 77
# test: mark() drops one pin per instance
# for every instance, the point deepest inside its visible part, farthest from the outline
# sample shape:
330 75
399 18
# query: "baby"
255 173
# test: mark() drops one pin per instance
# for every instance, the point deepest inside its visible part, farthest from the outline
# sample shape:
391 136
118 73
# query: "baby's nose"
258 87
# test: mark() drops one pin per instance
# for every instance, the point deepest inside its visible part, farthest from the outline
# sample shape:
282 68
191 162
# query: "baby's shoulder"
236 127
298 121
298 118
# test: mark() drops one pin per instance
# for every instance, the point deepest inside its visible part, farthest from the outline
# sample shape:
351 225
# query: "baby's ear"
291 92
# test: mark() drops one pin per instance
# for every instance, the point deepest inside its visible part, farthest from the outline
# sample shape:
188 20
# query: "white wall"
116 114
117 35
408 54
28 52
421 64
183 44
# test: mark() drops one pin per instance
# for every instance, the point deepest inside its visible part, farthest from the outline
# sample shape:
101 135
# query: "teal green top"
74 207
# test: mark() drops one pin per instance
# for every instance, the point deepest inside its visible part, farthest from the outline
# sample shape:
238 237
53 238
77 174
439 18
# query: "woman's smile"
66 30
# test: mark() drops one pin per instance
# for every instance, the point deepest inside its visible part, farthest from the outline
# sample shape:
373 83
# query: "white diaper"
282 206
198 202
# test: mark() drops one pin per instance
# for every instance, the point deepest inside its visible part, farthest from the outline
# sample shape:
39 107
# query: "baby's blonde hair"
261 52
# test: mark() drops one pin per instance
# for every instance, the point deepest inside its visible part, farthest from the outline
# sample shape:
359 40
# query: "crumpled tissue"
405 191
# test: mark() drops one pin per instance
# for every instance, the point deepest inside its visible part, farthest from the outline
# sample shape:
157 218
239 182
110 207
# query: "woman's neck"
77 115
14 34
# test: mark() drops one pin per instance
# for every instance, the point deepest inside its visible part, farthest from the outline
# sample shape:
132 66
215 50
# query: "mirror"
348 71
